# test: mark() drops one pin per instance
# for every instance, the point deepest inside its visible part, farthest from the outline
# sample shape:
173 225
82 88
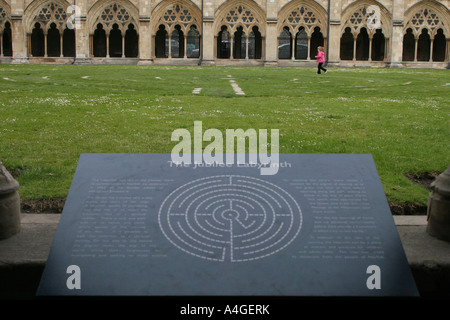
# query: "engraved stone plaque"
141 225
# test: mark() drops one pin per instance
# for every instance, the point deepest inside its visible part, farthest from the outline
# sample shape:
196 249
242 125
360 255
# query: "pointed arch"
46 12
245 14
303 13
429 15
357 16
172 13
5 14
110 12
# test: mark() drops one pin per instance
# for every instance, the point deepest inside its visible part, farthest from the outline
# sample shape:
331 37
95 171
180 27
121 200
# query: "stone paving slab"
23 256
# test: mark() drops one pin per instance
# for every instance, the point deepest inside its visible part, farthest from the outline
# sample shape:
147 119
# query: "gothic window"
193 43
115 14
52 12
423 46
362 45
409 46
303 16
3 15
424 35
223 44
5 33
439 44
181 31
161 42
37 41
177 43
115 42
301 33
361 18
255 44
53 41
346 52
115 35
177 13
59 39
240 14
239 51
378 46
284 44
131 42
425 17
240 20
69 42
316 41
99 41
6 45
301 44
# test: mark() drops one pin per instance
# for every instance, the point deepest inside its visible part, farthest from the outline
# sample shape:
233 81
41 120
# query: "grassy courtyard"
50 114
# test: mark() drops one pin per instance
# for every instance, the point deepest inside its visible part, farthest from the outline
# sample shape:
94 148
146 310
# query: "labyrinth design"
230 218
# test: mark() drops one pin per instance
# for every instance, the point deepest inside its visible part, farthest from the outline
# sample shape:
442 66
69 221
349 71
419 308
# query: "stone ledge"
23 256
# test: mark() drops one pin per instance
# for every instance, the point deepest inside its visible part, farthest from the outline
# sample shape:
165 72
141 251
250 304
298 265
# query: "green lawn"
52 113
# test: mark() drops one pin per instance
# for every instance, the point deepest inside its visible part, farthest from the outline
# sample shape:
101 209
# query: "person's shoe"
326 71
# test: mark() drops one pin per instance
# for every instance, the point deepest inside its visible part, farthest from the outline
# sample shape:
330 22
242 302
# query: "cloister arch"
47 30
5 30
239 30
302 27
113 29
426 32
362 37
177 23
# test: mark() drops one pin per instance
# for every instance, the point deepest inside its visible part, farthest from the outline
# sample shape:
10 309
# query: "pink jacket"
320 57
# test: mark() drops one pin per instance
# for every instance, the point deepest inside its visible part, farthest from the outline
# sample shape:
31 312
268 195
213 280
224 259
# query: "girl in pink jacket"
320 60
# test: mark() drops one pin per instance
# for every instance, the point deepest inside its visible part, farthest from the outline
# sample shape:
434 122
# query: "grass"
52 113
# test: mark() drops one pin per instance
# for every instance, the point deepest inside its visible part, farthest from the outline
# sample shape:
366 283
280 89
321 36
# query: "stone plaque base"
141 225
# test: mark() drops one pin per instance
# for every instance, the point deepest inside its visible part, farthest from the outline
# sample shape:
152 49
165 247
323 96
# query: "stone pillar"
271 38
208 37
208 41
145 43
438 214
9 204
271 49
334 42
82 41
18 30
396 40
19 39
333 37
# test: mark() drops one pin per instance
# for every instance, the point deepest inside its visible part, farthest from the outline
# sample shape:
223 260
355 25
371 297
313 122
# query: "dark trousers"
320 67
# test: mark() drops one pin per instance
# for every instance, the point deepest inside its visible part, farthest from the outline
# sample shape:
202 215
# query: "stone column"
333 37
145 43
208 38
271 38
396 40
19 39
208 41
82 41
438 215
9 204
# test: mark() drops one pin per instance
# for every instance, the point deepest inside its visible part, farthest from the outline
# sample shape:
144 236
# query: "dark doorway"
346 52
131 42
37 41
53 41
99 41
7 40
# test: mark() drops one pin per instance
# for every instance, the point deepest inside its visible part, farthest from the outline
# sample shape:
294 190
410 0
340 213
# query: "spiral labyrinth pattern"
230 218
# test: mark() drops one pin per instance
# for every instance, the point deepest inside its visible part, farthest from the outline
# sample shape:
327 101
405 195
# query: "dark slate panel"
138 225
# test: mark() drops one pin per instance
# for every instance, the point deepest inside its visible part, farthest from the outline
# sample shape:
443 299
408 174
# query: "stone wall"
271 17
